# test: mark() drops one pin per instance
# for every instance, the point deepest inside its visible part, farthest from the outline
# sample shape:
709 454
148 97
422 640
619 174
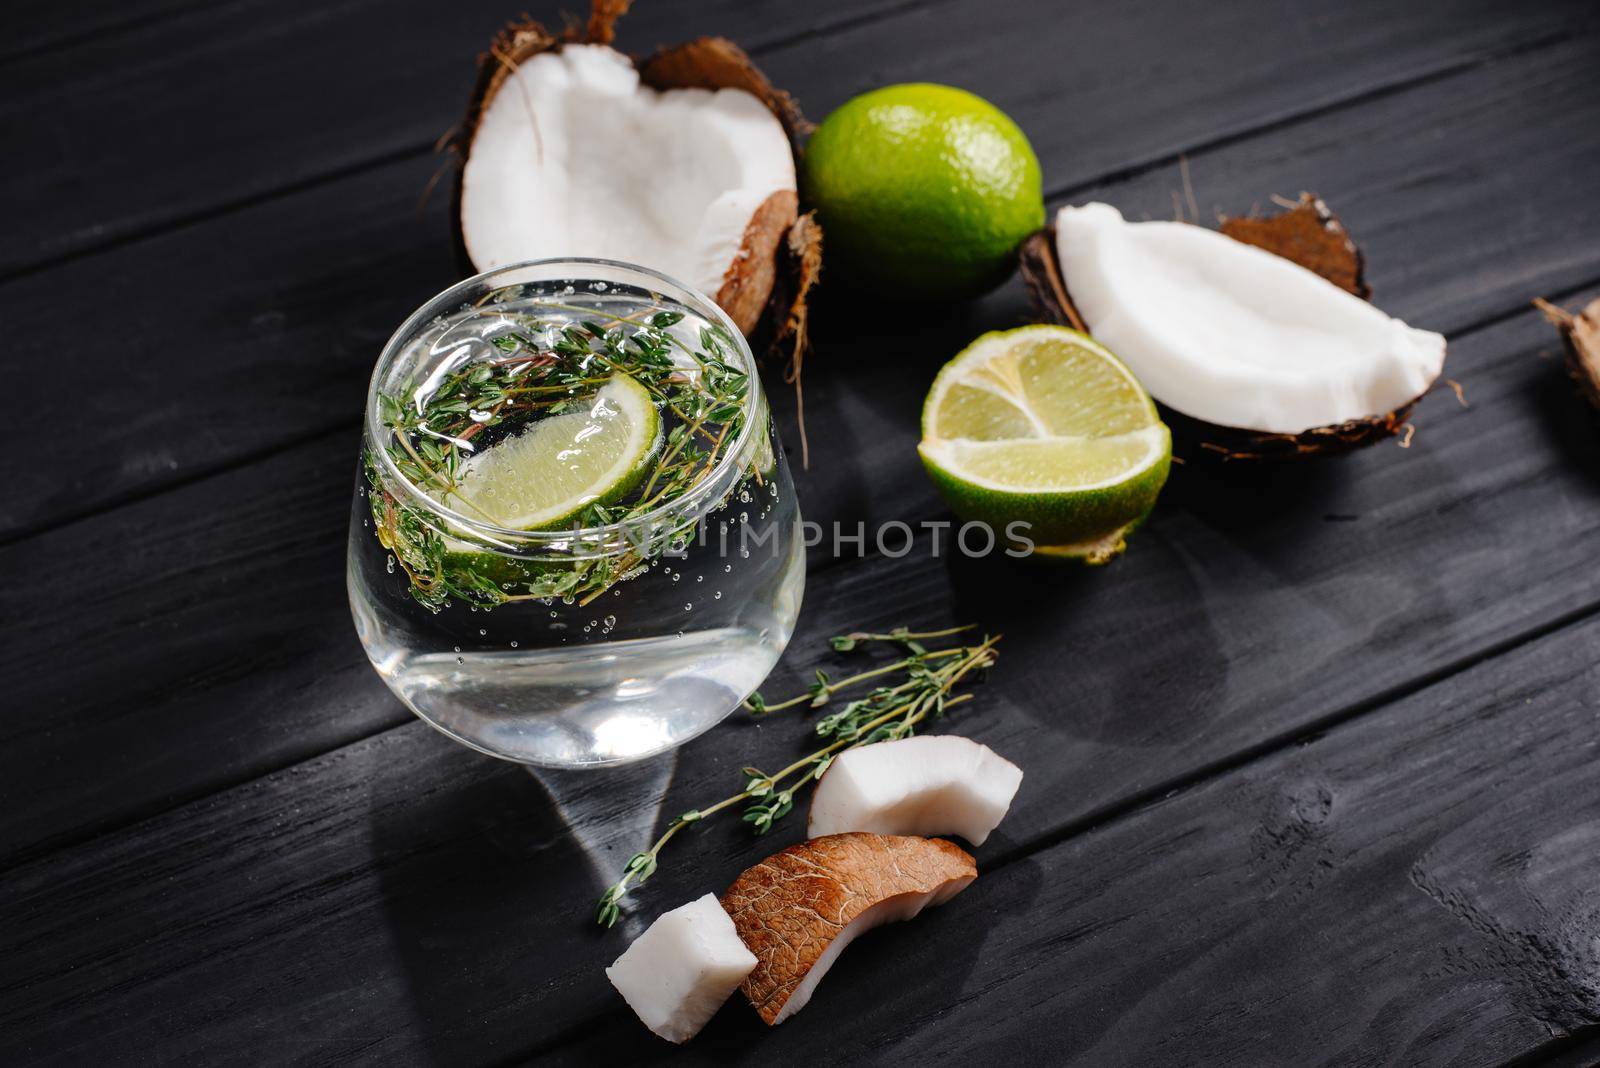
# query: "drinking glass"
583 647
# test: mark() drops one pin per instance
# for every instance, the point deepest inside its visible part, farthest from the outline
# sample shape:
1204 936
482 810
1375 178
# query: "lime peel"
1043 426
543 477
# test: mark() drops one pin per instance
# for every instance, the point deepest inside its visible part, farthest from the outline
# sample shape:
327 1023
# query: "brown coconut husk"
1306 233
766 288
1581 334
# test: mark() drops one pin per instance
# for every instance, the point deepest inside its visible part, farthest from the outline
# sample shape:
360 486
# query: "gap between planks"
1365 96
134 236
345 426
1083 824
1133 805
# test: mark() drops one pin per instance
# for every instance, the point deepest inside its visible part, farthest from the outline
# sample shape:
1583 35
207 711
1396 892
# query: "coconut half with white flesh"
678 973
926 785
683 163
798 909
1258 335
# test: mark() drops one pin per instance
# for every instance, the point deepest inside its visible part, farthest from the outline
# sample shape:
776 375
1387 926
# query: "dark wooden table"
1312 774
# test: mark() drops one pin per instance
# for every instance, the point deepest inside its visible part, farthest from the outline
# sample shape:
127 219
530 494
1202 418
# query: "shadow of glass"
488 878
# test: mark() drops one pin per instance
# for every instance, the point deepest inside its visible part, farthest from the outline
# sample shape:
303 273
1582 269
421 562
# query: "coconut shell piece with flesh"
798 909
1581 333
1307 234
746 283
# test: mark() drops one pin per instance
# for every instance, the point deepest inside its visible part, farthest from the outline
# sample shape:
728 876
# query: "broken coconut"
683 163
798 909
678 973
924 785
1259 335
1581 333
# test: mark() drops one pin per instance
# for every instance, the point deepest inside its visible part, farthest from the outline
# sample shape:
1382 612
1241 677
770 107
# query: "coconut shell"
789 908
708 63
1308 234
1581 333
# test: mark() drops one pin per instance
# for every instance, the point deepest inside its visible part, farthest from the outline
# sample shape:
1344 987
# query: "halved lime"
1042 425
542 478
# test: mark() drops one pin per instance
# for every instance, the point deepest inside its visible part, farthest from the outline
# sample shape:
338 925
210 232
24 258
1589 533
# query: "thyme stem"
890 712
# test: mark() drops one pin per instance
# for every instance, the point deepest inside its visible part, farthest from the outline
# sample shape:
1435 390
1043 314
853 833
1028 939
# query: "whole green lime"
923 191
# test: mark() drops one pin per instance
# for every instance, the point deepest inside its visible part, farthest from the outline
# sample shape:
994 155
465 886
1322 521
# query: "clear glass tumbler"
649 612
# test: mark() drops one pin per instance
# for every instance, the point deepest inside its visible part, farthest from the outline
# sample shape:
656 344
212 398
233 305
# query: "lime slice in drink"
1042 425
543 477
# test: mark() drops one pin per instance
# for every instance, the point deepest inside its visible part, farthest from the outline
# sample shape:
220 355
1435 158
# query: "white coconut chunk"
574 157
678 973
1232 334
929 785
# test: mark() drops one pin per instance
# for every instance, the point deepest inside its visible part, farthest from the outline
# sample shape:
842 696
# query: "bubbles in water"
744 554
688 608
391 563
458 648
482 631
513 645
744 496
716 595
699 578
610 621
599 287
675 578
461 660
727 567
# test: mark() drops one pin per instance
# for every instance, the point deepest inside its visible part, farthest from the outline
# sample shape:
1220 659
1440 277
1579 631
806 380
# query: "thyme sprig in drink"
574 537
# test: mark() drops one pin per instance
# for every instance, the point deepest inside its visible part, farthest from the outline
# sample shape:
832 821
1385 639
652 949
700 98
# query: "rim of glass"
690 502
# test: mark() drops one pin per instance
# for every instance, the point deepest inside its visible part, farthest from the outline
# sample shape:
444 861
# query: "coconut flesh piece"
799 909
572 156
926 785
1233 335
678 973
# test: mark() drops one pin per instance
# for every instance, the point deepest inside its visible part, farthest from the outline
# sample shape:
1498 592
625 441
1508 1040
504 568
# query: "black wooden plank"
172 119
228 379
1482 484
227 105
1416 884
1416 888
1210 563
35 30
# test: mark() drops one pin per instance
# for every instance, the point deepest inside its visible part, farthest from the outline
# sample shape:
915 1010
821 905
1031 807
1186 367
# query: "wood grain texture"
304 306
1369 575
172 119
1415 888
1417 882
231 105
1272 621
220 834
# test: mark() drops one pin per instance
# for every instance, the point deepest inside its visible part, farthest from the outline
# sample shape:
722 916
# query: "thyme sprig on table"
548 367
893 709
